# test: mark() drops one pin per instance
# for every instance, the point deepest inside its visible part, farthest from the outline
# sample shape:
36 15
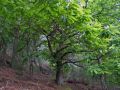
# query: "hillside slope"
13 80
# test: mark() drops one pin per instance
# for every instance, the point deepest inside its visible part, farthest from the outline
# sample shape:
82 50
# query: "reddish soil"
12 80
9 80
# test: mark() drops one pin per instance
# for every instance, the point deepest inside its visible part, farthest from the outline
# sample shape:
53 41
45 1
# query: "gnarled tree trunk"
59 74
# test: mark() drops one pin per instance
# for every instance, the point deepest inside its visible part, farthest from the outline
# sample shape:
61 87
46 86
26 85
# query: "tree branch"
74 63
78 65
66 53
86 3
71 36
49 46
57 52
70 62
85 51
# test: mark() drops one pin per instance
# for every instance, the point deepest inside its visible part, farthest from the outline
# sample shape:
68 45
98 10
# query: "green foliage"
94 29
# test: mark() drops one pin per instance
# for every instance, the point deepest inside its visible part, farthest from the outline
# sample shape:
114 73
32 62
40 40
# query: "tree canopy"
82 33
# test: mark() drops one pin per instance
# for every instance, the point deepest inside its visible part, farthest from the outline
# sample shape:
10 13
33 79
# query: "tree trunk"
102 78
15 45
103 84
2 57
59 75
14 54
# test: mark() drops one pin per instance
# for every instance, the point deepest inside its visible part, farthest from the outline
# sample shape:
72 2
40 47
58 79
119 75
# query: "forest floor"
13 80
